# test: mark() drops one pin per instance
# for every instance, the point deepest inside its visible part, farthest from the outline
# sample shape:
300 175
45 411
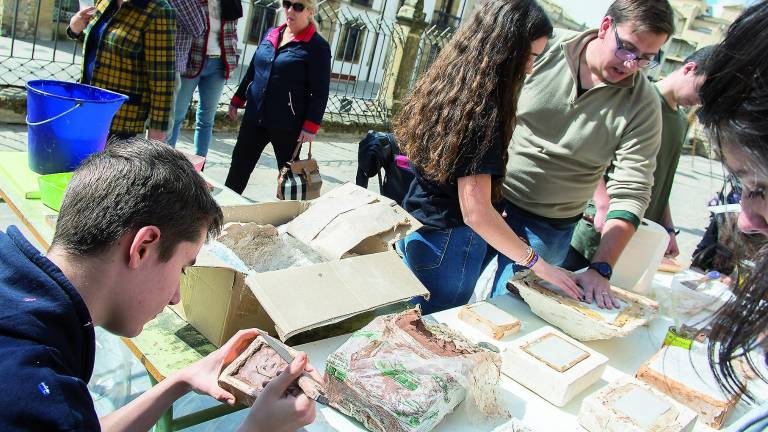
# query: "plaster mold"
585 321
629 405
553 365
685 375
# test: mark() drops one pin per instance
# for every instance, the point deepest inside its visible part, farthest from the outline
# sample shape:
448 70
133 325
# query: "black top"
47 344
437 205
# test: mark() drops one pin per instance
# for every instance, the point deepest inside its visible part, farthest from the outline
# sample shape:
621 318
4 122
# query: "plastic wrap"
401 374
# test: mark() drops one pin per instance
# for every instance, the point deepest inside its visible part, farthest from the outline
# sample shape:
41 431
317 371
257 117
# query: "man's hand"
305 136
232 112
277 411
672 249
598 288
155 134
202 377
80 20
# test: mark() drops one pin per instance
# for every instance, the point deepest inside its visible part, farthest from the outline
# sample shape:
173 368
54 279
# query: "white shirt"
214 35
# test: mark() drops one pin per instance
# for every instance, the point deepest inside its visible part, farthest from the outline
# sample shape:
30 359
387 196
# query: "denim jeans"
550 240
210 85
447 261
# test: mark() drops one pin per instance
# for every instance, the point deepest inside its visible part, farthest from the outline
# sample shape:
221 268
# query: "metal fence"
33 45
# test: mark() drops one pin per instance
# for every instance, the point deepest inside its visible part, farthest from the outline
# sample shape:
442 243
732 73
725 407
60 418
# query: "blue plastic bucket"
67 122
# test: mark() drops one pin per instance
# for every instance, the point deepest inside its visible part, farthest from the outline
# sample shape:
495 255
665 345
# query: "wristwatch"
602 268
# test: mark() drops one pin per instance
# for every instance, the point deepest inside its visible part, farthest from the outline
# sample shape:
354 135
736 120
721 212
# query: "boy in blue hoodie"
134 217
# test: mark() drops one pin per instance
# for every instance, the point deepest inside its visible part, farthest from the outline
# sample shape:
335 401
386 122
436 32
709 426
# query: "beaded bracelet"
533 260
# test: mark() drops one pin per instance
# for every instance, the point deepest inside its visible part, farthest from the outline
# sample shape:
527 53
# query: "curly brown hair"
468 97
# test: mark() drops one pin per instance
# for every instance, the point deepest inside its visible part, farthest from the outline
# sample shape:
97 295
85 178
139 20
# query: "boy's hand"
202 377
277 411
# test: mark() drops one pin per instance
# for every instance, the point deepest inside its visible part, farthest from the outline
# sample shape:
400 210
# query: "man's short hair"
701 58
655 16
135 183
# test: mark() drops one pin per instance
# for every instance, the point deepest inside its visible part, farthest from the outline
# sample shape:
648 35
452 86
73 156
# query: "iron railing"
364 42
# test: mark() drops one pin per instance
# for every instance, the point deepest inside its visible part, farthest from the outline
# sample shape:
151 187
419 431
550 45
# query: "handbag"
299 179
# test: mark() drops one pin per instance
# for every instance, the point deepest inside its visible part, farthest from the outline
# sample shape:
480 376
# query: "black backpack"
379 151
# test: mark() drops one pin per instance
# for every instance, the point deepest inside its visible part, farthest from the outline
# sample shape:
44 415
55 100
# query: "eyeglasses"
298 7
626 55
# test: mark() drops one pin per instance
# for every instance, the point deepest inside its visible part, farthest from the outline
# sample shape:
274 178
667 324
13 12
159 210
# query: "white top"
214 35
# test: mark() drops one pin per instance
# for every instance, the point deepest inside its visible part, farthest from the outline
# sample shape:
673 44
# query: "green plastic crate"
52 188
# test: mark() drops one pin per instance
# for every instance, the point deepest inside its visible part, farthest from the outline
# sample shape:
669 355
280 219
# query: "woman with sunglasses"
735 111
455 127
212 58
284 92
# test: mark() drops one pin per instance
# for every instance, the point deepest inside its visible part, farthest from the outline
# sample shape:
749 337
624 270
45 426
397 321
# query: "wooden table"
167 343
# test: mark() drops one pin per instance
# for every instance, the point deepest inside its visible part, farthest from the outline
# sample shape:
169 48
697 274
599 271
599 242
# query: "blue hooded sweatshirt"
47 344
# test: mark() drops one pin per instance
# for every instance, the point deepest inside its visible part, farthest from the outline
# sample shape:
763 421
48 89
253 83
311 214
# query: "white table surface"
625 357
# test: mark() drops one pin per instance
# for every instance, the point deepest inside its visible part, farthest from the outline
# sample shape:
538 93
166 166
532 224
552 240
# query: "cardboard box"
628 405
685 376
553 365
218 300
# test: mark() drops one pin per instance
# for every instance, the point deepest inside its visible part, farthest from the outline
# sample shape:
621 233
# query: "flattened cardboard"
332 291
219 301
325 209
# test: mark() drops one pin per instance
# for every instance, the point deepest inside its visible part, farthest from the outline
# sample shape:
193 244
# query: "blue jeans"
550 240
210 84
447 261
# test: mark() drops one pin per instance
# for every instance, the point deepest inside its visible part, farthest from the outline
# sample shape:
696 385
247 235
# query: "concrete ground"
118 377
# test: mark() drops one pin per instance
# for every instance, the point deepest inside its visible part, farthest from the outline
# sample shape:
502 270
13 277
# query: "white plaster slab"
556 352
629 405
542 376
493 313
689 368
685 376
643 406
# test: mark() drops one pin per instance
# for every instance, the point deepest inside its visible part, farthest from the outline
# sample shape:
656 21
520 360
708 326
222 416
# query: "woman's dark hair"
468 97
735 112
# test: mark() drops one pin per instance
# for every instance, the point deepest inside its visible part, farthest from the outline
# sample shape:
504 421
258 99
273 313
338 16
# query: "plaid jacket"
136 57
227 42
190 23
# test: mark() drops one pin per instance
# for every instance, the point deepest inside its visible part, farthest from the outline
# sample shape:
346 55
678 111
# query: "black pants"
250 143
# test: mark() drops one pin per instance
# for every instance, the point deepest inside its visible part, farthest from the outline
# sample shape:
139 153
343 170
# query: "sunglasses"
624 54
298 7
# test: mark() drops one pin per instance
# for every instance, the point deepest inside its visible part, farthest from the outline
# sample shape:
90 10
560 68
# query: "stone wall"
26 18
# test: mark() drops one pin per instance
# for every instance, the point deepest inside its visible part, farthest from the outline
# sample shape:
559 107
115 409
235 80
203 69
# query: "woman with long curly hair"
455 127
735 111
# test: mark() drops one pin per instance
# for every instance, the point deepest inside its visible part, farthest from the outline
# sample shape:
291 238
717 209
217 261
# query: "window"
262 18
351 43
364 3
